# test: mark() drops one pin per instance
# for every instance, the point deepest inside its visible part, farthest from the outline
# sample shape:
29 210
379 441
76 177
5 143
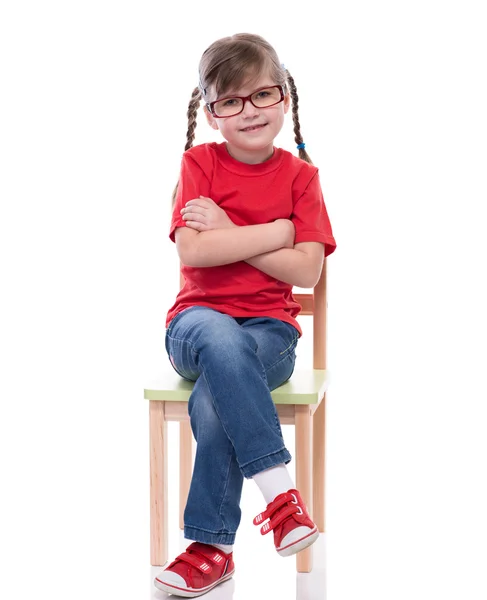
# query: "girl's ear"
287 102
209 118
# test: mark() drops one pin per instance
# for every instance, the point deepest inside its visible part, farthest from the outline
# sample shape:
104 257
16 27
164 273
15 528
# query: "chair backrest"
313 304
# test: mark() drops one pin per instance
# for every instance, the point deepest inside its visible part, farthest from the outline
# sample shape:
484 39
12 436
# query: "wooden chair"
300 401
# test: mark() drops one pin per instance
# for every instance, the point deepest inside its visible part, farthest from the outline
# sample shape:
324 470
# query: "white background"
92 128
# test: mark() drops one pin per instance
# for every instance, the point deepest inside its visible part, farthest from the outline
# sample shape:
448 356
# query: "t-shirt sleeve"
310 217
193 183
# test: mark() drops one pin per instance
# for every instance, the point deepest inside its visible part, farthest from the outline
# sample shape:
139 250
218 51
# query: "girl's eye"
263 94
230 102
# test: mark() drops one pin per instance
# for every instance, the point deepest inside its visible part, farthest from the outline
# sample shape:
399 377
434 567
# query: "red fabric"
283 187
283 516
198 566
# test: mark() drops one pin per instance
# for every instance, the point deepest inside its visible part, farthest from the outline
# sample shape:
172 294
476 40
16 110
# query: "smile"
254 127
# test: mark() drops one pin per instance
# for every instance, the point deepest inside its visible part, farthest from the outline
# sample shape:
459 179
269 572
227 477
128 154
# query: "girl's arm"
300 266
225 246
211 238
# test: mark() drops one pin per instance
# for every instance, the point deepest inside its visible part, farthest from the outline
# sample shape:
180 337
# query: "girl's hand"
203 214
288 231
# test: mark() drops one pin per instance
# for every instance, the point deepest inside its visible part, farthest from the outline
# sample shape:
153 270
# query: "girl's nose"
249 110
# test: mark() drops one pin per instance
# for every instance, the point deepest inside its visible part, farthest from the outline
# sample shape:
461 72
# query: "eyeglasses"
234 105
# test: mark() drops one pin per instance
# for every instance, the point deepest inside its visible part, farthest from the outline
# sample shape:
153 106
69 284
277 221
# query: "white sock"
224 548
274 481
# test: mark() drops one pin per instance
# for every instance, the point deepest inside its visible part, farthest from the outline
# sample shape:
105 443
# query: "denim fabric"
233 417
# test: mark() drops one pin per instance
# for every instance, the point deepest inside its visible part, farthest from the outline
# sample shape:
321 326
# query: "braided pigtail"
192 114
297 128
194 104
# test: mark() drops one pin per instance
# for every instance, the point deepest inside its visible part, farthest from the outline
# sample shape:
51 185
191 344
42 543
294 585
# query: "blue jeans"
233 417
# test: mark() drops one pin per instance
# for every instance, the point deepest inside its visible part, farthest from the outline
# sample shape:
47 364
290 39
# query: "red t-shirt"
283 187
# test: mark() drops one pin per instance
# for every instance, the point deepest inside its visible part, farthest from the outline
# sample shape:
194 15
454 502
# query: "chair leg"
319 465
304 559
185 466
158 483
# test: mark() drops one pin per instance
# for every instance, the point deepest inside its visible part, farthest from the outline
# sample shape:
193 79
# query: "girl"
249 223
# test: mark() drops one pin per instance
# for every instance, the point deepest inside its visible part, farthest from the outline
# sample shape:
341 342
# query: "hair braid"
297 127
194 104
192 114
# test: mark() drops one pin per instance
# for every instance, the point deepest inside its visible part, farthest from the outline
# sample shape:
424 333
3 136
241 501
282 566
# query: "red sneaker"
196 571
288 517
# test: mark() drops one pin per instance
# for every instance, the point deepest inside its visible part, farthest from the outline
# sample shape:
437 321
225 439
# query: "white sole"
189 592
300 544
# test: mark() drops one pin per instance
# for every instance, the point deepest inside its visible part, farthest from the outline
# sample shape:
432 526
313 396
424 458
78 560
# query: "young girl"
249 223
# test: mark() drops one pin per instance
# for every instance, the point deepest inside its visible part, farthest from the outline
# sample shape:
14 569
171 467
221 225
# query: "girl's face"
250 134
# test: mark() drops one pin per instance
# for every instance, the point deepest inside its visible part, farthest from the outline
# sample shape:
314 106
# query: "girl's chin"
252 143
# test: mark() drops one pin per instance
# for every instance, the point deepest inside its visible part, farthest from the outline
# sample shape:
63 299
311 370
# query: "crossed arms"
268 247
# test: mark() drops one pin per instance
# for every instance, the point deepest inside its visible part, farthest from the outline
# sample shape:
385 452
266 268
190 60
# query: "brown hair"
229 63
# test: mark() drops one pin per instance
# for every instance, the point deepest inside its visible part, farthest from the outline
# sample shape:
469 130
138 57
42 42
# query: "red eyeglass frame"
244 99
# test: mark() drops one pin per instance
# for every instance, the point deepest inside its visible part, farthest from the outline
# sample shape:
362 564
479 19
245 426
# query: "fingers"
195 213
196 225
193 216
196 206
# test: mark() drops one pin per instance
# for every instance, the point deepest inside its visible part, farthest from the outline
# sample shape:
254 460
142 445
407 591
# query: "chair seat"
304 387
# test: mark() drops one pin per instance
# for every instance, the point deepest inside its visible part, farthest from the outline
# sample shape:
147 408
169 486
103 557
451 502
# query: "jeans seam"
293 343
278 362
203 373
225 491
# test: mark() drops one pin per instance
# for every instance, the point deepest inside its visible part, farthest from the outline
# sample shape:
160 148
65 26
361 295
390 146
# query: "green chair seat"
304 387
